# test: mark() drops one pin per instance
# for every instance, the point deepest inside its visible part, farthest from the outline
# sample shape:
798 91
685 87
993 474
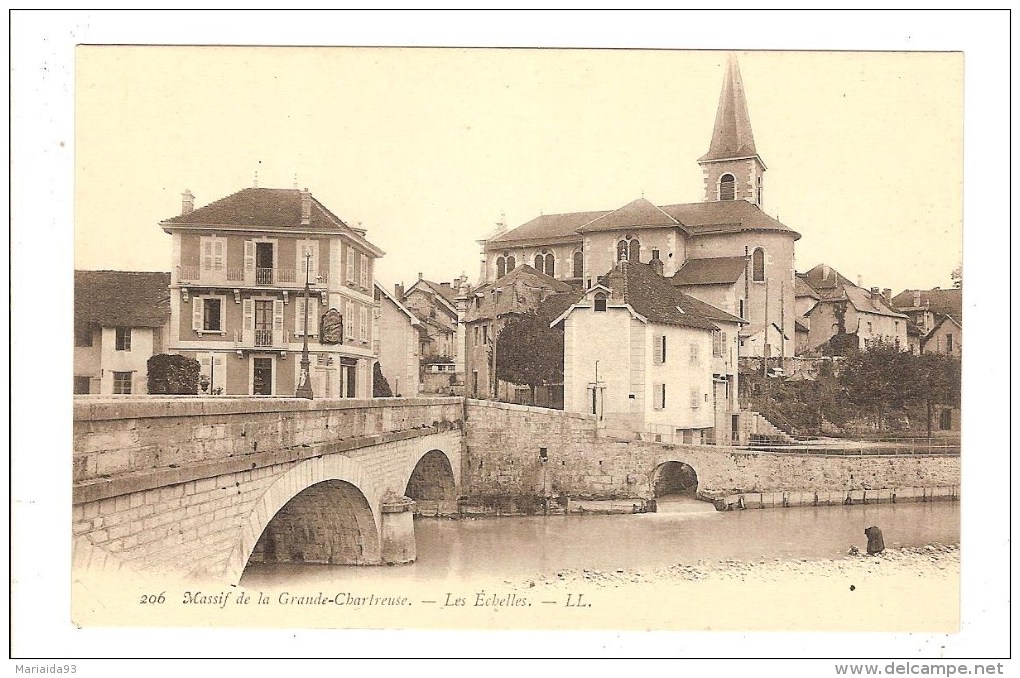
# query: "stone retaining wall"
503 455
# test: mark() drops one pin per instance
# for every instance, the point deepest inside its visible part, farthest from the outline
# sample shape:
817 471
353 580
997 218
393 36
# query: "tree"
941 378
881 379
172 375
529 352
380 386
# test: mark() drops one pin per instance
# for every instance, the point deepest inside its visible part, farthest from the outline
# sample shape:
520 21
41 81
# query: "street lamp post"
304 389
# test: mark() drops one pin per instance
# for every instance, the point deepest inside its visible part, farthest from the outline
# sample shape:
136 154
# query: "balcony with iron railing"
261 338
233 276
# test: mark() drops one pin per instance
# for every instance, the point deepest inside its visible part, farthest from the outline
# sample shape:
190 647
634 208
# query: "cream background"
42 214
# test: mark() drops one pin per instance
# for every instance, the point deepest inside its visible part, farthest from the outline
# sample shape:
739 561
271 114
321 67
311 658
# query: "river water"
683 531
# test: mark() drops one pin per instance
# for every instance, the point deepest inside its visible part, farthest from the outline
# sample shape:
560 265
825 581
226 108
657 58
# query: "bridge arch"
674 478
432 478
335 483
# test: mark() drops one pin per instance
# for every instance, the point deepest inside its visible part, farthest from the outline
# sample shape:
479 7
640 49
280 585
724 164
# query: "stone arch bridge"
201 487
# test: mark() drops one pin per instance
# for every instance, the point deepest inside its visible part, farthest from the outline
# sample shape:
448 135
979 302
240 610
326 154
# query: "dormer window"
629 249
727 187
600 302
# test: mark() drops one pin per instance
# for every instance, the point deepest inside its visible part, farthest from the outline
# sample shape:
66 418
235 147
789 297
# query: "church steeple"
732 168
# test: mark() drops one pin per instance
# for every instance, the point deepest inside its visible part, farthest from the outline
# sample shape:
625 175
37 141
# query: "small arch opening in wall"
578 261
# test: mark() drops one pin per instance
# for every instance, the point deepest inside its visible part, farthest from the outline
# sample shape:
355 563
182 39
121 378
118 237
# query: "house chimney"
187 202
306 207
419 275
874 292
398 291
887 293
917 298
656 262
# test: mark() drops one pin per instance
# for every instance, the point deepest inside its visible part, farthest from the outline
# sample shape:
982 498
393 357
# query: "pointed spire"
732 137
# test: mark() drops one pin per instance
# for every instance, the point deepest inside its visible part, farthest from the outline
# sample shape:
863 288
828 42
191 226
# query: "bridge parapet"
113 437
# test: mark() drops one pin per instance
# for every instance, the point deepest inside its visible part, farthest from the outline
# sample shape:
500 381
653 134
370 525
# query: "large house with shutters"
644 357
237 305
724 250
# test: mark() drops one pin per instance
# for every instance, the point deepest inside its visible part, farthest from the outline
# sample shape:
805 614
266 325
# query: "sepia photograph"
535 338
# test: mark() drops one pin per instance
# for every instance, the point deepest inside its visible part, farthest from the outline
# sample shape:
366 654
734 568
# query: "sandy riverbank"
901 590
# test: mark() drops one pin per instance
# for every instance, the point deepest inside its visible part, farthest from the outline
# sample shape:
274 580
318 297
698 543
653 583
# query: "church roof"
695 218
269 209
710 271
731 137
638 213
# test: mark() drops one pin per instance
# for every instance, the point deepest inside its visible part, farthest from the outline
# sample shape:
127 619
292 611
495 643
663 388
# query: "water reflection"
682 532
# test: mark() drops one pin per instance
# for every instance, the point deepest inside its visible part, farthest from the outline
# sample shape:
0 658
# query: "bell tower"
732 168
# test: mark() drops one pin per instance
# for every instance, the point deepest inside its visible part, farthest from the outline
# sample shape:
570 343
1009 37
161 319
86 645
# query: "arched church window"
727 187
540 262
600 302
550 264
511 263
578 264
500 266
758 265
630 248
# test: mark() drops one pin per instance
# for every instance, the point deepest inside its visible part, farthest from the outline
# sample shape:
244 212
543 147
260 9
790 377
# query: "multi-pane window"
82 385
82 334
600 302
212 314
123 339
628 248
122 382
718 343
694 354
949 343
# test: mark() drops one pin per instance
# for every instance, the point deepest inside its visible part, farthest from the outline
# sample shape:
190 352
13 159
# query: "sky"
428 148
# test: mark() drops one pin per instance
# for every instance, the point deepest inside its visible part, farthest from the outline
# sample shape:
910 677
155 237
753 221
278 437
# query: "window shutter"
219 375
217 254
203 362
197 306
248 314
351 256
364 270
249 261
349 320
662 353
277 314
299 316
363 312
662 399
207 254
313 249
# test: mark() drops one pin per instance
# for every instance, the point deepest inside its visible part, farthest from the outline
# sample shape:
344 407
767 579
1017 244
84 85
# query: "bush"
172 375
380 387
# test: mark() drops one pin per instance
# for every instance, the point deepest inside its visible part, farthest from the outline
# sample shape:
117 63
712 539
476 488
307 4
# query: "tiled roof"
636 214
121 298
830 285
937 300
731 136
696 218
546 227
724 216
802 289
266 208
710 271
521 290
657 300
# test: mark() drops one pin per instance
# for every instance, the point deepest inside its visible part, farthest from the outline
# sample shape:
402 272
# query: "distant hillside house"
121 320
724 250
928 309
240 265
434 305
843 308
647 358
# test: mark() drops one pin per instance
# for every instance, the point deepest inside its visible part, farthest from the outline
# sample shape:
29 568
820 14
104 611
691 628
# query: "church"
725 250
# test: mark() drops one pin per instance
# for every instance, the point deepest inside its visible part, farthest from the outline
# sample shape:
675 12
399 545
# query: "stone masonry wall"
113 437
502 455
